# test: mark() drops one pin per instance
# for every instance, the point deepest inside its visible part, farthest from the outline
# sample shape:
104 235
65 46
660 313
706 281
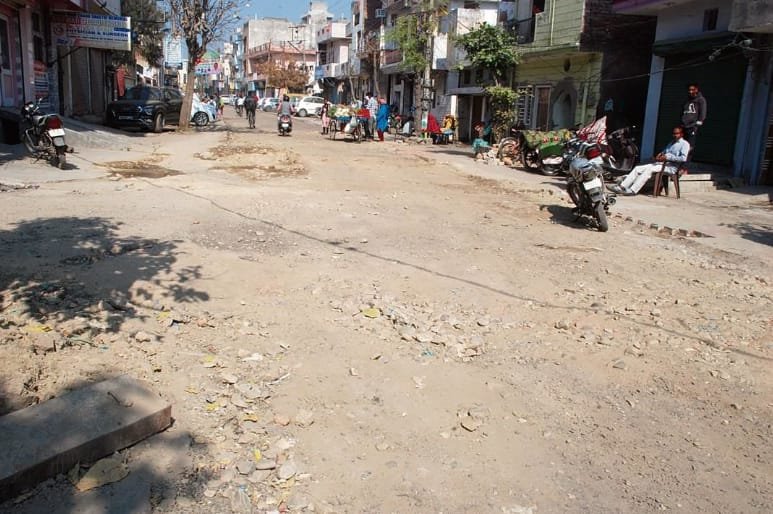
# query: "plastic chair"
662 178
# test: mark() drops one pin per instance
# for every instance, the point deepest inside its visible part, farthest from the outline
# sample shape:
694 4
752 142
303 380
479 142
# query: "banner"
207 68
173 55
91 30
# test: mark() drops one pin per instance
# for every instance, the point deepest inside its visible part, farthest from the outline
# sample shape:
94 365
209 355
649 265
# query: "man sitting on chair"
676 152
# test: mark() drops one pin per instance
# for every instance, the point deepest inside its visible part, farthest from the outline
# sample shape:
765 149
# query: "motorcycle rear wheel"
601 217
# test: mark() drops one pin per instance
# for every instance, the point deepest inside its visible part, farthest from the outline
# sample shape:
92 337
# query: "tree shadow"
756 232
160 470
81 269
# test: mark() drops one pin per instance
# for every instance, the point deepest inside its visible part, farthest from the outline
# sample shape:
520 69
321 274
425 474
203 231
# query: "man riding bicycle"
250 105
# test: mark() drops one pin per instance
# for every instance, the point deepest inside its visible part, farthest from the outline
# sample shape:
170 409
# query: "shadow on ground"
757 232
59 269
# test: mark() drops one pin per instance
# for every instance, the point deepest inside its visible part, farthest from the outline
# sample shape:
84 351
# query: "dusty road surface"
372 327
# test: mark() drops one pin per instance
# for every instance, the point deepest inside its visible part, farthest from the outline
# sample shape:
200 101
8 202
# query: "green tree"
492 48
200 23
147 30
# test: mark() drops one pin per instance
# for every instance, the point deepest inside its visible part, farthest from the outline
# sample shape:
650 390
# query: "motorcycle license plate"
592 184
56 132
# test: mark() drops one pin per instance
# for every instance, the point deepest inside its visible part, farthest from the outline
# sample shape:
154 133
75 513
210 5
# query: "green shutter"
721 81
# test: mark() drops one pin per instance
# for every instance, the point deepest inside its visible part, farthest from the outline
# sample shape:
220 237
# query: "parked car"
271 104
262 102
202 114
309 105
227 99
145 107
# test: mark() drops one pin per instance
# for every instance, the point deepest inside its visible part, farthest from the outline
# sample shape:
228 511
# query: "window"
525 106
538 6
710 19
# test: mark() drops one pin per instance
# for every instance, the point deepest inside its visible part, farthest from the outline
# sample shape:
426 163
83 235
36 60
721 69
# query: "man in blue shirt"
676 152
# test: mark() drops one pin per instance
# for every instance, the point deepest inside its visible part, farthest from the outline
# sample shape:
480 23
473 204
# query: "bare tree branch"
200 23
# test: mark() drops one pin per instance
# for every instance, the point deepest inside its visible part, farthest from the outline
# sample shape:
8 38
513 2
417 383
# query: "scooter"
284 124
620 154
44 135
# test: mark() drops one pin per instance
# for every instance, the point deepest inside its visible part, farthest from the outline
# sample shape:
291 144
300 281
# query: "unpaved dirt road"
368 327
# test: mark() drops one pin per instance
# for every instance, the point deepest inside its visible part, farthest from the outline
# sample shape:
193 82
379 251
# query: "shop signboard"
81 29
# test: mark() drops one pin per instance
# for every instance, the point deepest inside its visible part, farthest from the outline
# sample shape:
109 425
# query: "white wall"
687 20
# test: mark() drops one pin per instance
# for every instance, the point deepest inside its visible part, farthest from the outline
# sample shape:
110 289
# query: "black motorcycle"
43 134
285 124
585 182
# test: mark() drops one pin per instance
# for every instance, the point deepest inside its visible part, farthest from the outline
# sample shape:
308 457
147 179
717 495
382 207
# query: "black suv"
145 107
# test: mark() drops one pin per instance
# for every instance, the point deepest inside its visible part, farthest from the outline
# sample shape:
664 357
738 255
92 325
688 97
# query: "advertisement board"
173 55
91 30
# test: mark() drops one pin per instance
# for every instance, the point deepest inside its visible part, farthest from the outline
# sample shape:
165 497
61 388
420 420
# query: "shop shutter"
721 81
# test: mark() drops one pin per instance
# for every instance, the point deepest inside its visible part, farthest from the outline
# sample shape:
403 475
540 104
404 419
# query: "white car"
309 105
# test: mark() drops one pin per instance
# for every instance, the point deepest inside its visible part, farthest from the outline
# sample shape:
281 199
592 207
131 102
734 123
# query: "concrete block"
84 425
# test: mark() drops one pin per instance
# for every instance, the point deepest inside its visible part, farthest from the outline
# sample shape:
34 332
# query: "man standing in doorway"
693 115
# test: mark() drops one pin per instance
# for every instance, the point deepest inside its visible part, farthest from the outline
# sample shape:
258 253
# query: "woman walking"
382 118
325 117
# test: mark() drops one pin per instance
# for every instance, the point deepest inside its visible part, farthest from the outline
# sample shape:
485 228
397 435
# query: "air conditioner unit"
380 13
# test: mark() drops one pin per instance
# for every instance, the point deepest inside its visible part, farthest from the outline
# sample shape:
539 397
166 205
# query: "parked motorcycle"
44 135
285 124
585 183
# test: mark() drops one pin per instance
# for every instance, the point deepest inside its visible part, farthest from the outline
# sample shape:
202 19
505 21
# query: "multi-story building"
724 47
72 80
333 51
579 60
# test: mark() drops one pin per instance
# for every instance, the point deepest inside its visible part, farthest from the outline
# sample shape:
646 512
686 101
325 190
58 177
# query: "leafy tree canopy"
492 48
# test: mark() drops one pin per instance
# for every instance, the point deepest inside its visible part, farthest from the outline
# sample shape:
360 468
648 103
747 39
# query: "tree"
413 35
147 30
199 23
492 48
289 77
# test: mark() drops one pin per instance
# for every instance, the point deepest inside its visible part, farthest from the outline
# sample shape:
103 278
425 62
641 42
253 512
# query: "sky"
291 9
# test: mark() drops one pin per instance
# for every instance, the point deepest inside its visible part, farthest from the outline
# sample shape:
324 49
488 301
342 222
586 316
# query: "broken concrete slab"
84 425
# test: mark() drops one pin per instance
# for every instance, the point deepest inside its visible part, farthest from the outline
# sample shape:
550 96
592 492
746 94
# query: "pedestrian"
373 109
382 118
325 117
676 152
693 115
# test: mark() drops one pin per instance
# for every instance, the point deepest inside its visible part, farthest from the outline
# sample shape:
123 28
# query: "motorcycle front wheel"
531 160
601 217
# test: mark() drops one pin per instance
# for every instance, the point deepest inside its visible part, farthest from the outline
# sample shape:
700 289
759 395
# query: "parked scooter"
620 154
585 183
44 135
284 124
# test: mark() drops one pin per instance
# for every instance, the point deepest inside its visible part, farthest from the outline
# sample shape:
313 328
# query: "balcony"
328 70
335 30
647 7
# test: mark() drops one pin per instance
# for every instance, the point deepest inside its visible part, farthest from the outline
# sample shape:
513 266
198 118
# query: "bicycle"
251 118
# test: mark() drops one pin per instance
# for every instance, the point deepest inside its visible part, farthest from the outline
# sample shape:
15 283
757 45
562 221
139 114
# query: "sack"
349 128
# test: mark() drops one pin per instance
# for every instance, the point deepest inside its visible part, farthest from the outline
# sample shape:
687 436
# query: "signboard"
207 68
173 54
91 30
